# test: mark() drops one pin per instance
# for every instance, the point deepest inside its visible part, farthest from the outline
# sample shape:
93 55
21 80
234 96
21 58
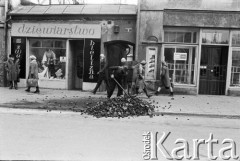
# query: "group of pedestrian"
13 69
118 76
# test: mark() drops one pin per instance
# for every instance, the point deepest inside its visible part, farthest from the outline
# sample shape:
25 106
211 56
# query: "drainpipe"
138 30
5 38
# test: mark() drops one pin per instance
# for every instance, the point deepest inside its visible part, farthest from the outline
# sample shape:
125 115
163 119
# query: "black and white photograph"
120 80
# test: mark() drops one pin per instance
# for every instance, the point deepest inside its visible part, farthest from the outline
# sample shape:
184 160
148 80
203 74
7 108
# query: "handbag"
32 82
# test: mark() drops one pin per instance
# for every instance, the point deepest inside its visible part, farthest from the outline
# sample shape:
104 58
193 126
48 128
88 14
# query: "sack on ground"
32 82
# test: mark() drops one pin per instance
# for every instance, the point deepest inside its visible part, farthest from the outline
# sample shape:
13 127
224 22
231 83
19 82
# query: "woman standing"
165 81
12 68
33 73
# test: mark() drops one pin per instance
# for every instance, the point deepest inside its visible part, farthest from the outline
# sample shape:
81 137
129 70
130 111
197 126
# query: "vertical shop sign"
151 63
91 71
91 60
18 49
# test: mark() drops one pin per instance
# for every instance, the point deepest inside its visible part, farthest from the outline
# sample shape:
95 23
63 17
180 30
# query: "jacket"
33 69
12 68
165 77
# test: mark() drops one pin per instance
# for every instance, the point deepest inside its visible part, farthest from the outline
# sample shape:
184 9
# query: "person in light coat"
33 72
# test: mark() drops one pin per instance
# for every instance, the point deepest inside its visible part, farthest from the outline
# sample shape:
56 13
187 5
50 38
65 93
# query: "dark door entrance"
213 70
75 66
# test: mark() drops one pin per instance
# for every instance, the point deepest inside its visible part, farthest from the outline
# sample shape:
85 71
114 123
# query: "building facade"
67 41
199 40
3 54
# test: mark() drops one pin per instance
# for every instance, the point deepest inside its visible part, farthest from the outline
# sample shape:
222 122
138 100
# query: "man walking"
102 74
165 81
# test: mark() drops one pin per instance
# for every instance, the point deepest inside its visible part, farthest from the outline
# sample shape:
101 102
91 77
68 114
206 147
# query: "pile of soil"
121 107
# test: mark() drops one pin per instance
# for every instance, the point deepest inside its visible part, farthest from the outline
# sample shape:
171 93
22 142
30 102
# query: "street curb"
197 115
154 113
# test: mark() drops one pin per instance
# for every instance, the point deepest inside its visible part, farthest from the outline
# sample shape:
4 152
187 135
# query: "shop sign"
151 58
61 30
180 56
91 60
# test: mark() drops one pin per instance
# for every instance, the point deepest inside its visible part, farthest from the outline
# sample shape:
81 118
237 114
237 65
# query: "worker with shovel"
117 78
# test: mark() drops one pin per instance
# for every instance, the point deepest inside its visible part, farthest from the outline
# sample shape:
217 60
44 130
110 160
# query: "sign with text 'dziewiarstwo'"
58 30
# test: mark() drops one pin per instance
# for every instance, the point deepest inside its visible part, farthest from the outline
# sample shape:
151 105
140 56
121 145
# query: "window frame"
233 49
195 65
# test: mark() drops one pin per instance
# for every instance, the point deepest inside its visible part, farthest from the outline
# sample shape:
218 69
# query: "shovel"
112 76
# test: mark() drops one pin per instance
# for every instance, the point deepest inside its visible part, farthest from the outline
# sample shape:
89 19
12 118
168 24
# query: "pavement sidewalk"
185 105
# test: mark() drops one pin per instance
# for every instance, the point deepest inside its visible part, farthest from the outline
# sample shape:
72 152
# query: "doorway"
75 67
213 70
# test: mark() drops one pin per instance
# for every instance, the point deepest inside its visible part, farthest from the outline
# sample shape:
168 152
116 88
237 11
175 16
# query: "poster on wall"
91 60
151 58
18 49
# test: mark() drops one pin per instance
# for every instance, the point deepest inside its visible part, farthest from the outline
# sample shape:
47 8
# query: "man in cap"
12 68
139 79
102 74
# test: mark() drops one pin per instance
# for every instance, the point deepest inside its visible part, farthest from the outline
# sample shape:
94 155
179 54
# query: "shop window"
35 43
182 63
180 37
235 74
215 37
236 38
51 57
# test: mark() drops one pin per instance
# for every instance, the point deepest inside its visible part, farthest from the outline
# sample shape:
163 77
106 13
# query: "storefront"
199 43
67 54
68 49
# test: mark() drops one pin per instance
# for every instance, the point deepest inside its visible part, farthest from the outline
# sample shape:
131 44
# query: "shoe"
171 94
156 93
27 90
10 87
37 90
93 92
16 87
149 95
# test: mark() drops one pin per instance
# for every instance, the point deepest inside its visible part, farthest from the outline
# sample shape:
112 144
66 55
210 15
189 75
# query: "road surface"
42 135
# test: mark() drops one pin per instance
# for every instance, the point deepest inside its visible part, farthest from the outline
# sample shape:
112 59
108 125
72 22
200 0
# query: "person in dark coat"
102 74
165 80
33 72
12 68
117 73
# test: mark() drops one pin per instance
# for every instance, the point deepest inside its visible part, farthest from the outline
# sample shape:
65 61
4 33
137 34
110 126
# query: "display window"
51 57
235 72
182 64
180 54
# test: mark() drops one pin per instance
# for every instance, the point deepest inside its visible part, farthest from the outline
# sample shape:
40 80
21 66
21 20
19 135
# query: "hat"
32 57
143 62
102 55
123 60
